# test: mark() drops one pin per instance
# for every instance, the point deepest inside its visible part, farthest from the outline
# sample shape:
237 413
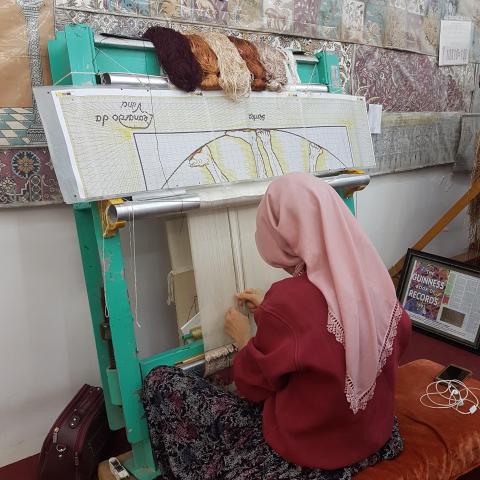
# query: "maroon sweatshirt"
297 368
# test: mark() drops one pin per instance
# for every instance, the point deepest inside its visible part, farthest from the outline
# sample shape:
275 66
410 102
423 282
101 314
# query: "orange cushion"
439 444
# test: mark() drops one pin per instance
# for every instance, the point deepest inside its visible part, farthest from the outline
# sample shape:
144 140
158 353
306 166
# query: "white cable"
451 394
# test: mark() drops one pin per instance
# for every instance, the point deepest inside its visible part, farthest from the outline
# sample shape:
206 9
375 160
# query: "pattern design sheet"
135 141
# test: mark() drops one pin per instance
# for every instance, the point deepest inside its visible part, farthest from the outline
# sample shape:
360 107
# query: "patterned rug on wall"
400 24
27 178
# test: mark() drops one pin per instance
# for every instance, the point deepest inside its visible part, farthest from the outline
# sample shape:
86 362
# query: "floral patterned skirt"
199 431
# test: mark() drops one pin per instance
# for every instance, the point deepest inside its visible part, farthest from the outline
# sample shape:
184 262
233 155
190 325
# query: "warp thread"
291 68
207 60
474 206
219 358
176 57
248 51
235 77
273 59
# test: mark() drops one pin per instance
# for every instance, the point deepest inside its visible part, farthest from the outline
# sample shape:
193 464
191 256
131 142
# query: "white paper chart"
456 38
119 142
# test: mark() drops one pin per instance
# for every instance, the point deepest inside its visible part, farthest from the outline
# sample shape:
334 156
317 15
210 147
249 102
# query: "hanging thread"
235 77
207 60
273 59
248 51
133 258
291 68
176 57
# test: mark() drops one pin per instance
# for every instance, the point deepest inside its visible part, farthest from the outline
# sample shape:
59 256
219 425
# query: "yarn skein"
248 51
273 60
176 57
235 77
207 60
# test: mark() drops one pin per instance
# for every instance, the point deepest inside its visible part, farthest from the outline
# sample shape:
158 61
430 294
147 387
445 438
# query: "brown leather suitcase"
75 444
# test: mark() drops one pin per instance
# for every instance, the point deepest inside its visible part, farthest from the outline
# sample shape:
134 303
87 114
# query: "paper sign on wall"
455 42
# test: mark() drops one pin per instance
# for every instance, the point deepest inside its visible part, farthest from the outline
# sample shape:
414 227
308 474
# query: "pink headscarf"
301 219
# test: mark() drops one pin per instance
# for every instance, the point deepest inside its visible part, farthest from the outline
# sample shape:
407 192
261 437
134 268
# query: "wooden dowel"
459 205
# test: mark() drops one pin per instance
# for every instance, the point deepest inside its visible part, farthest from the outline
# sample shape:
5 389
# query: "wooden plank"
186 305
182 276
459 205
179 243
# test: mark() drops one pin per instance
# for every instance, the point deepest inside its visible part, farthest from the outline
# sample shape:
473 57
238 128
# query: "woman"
318 377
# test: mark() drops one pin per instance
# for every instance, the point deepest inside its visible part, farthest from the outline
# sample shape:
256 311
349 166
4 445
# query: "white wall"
46 346
396 210
47 350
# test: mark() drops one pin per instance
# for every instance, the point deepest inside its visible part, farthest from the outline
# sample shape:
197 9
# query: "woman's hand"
238 327
251 297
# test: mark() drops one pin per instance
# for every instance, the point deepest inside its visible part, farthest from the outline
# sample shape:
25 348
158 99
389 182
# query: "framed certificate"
442 297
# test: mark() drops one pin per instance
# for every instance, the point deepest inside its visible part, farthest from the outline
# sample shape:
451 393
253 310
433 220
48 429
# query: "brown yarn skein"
176 57
208 62
248 51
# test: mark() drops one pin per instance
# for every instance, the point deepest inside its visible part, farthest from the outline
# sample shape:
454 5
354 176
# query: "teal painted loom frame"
75 59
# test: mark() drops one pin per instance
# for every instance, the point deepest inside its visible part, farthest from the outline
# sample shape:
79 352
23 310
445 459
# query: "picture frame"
442 298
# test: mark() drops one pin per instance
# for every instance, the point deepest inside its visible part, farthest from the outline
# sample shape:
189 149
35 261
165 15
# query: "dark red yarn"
176 57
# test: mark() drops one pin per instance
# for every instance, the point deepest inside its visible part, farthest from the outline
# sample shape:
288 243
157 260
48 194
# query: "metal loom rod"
231 195
134 79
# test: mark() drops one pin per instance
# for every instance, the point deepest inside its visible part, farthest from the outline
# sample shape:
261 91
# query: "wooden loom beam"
459 205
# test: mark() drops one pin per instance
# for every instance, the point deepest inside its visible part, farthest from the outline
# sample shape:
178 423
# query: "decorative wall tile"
305 17
245 14
411 25
97 5
330 19
375 18
176 9
353 20
133 7
278 15
396 28
210 11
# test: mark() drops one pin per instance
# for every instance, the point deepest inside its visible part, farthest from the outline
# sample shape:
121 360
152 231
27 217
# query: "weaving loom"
210 228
